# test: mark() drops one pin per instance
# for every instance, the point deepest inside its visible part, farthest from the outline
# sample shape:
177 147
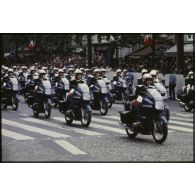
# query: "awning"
144 51
188 50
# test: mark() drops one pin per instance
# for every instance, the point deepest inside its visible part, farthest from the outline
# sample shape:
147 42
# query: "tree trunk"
1 49
153 50
89 55
180 51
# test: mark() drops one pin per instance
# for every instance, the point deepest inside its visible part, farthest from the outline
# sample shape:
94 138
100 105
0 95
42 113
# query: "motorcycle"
42 100
120 91
186 98
110 88
10 97
99 94
150 118
29 90
78 107
61 88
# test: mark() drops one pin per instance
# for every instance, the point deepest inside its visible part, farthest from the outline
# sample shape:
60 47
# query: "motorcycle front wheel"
103 107
68 119
86 118
47 110
110 103
187 108
159 132
14 103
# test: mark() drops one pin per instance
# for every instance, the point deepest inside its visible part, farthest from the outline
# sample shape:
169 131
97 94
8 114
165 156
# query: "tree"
180 51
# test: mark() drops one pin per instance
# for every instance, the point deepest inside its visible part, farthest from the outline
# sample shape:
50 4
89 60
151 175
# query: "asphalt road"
26 138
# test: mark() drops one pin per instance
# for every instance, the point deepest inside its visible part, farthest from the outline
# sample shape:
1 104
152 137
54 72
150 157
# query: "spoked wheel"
160 132
103 107
187 108
130 133
14 103
68 118
47 110
86 117
35 111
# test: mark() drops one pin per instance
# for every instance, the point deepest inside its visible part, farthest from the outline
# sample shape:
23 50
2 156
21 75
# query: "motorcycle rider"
140 81
155 79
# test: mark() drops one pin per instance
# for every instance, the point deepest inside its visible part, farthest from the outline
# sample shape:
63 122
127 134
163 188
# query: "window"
190 37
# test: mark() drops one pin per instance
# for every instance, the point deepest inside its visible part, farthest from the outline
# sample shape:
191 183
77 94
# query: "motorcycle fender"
163 119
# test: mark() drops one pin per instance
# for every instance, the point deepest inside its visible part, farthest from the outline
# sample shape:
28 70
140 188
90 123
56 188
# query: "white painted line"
180 123
105 121
34 129
42 122
23 114
101 127
181 119
172 127
69 147
185 115
14 135
113 117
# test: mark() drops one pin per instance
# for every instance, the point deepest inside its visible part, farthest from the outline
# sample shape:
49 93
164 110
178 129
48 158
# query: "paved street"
26 138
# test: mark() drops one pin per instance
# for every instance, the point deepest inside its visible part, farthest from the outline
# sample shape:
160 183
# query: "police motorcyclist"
140 81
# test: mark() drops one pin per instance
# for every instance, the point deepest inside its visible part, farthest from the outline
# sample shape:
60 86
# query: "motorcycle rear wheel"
103 107
159 135
187 108
47 110
130 133
14 103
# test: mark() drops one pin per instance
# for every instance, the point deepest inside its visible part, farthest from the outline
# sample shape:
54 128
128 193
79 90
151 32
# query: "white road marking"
113 117
105 121
69 147
181 123
181 119
180 128
185 115
34 129
78 130
102 127
14 135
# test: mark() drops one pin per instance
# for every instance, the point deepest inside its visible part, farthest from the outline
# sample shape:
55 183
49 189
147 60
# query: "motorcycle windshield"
48 89
85 90
15 84
66 84
161 89
103 86
159 105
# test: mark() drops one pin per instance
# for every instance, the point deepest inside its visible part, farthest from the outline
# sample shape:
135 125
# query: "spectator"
172 85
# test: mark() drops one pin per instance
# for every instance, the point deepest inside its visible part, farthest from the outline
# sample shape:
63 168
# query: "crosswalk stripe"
105 121
180 123
16 136
69 147
181 119
185 115
86 132
34 129
112 117
172 127
102 127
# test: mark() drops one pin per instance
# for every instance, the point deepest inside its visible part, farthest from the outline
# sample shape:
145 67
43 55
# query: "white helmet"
10 70
44 68
153 72
103 70
82 69
119 70
6 68
96 70
144 71
146 76
14 67
32 68
23 67
191 73
125 70
78 71
60 71
42 72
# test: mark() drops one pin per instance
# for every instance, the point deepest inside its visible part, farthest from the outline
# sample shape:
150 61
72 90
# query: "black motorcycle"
99 93
9 95
77 106
41 101
148 119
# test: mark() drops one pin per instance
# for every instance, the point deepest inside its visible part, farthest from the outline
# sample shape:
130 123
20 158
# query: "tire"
110 103
130 133
163 133
47 110
187 108
86 120
14 103
123 98
68 119
36 113
103 108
